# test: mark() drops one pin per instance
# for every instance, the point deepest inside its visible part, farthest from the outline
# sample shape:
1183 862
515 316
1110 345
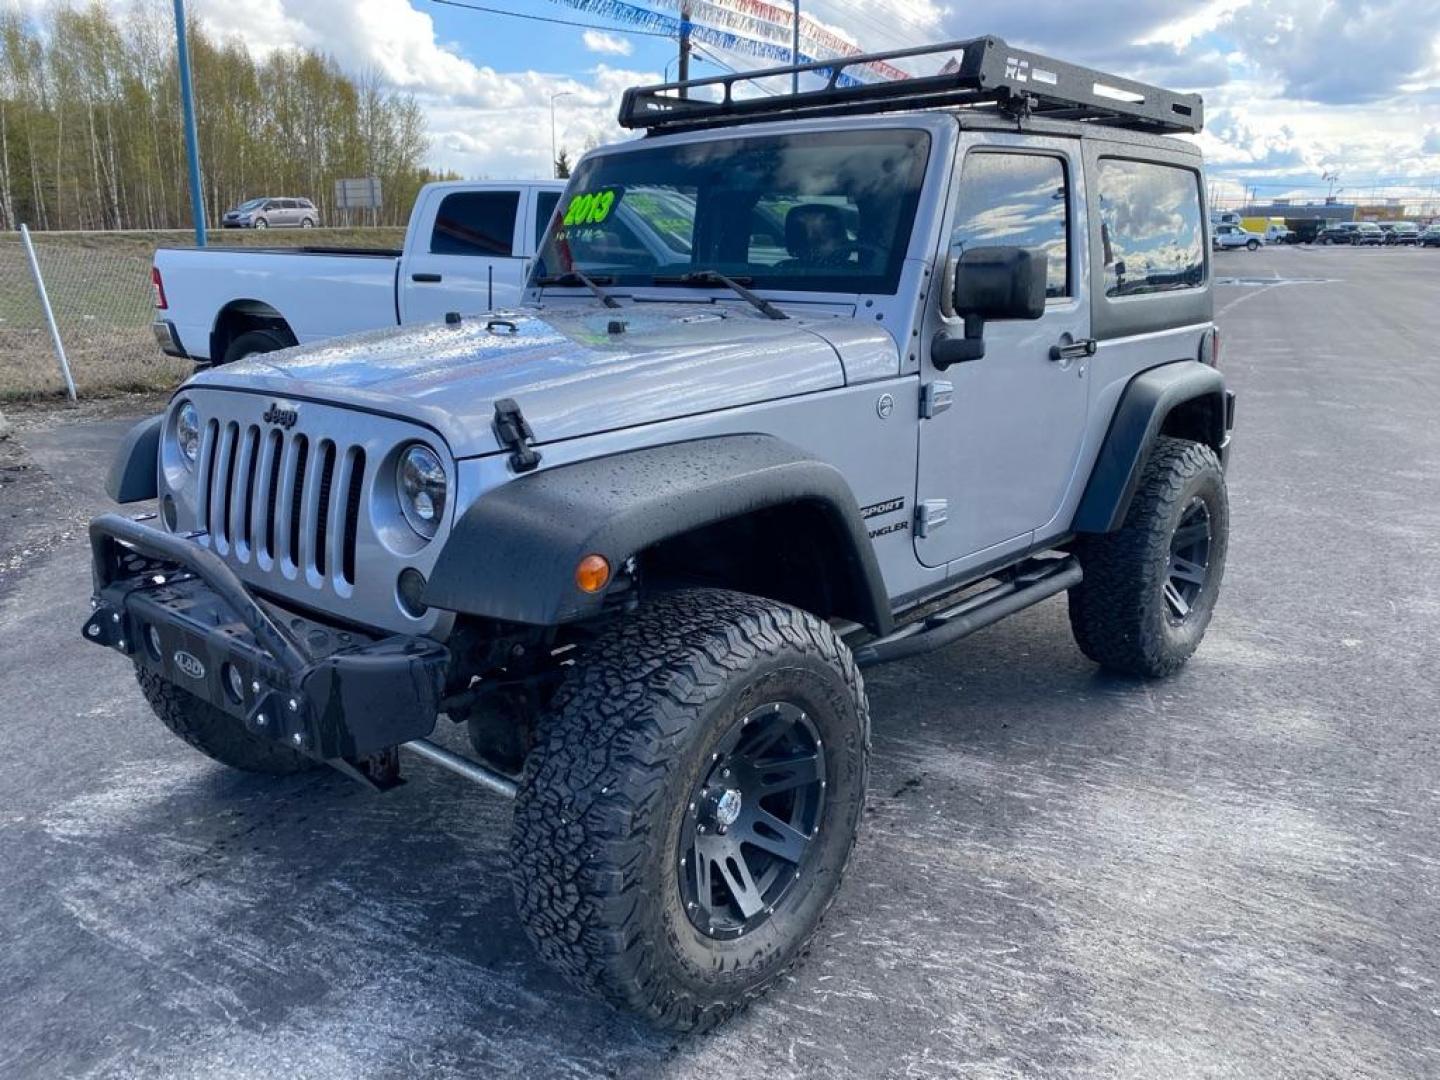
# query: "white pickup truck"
467 248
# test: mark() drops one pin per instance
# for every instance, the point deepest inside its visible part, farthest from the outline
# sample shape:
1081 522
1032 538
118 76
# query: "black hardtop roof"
990 78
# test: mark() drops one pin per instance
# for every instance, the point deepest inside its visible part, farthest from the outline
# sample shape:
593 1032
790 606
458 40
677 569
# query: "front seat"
815 237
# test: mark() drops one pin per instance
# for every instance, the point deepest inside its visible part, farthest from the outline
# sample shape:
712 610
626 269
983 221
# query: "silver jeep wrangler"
802 382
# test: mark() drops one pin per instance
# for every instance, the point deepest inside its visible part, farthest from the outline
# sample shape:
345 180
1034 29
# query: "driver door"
996 464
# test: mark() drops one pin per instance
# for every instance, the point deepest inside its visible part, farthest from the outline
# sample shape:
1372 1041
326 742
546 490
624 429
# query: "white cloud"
598 41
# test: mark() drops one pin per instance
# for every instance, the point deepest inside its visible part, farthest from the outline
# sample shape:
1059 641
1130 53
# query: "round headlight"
187 432
420 483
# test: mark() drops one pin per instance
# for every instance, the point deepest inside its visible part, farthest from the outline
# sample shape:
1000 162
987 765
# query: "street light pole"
192 142
554 158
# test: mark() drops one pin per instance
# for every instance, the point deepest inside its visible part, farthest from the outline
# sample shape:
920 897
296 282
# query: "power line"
549 19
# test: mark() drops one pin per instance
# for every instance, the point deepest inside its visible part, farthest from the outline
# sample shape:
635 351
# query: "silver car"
272 213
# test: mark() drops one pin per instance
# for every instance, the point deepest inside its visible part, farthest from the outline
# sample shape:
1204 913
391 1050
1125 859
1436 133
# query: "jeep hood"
570 372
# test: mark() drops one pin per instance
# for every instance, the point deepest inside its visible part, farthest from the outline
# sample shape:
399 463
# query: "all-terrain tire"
215 734
607 788
1119 613
255 341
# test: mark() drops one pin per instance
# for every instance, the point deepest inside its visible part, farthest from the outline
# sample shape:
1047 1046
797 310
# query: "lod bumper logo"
189 664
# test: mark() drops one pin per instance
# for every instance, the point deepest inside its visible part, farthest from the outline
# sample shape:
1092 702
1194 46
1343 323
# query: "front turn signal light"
592 573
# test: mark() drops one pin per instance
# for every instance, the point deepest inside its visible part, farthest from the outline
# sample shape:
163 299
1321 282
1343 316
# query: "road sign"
362 194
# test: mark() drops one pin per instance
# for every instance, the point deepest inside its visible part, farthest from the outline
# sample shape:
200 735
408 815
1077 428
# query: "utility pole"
554 154
192 142
795 48
683 71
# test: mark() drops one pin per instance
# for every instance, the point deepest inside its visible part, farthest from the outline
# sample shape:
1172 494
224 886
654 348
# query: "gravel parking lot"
1235 873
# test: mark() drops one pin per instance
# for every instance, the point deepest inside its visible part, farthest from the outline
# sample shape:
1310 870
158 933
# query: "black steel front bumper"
177 609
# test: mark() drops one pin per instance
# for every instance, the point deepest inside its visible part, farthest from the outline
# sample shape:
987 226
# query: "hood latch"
515 435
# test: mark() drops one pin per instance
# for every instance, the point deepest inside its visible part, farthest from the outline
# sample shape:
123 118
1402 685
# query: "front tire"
306 223
1150 588
214 733
687 813
1252 245
261 223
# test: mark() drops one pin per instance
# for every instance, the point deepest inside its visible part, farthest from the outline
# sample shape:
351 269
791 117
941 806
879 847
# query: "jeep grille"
270 495
307 512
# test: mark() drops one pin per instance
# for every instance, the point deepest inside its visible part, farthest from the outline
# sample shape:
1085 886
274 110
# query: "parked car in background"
1430 237
1233 236
272 213
468 249
1278 234
1367 233
1402 232
1338 233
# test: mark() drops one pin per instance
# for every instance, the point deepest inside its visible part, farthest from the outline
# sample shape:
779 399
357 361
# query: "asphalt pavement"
1232 873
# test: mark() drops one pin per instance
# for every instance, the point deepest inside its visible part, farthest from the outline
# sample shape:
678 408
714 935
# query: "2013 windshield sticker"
591 208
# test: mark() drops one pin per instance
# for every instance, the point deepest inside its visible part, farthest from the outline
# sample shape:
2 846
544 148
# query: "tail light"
159 287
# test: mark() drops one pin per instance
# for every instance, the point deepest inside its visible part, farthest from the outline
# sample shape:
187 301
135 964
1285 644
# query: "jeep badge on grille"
279 414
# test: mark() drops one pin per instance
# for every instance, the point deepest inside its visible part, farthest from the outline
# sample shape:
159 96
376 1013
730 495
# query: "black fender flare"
133 470
512 554
1147 400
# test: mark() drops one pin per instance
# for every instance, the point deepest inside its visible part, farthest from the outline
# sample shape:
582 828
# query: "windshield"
819 211
249 204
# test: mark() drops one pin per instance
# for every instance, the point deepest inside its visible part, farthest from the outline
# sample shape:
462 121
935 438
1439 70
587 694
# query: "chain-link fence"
99 289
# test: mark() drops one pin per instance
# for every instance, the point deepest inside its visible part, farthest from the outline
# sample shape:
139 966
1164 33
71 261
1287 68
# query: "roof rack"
1013 81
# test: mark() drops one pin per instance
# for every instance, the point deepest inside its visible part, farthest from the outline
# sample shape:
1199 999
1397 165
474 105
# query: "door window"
1150 225
475 223
1016 200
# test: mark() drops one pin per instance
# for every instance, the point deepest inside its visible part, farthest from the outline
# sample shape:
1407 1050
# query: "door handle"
1074 350
425 277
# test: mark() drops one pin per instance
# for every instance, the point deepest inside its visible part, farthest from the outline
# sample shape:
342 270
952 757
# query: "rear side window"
1016 200
1150 227
545 204
475 223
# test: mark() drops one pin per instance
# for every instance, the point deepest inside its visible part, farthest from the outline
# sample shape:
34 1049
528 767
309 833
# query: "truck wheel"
685 817
1150 588
254 341
1252 245
214 733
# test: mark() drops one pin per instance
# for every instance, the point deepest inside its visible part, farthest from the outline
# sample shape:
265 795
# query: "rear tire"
255 341
214 733
1150 588
625 795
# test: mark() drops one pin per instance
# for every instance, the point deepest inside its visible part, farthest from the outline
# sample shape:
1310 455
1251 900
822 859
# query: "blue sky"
1294 89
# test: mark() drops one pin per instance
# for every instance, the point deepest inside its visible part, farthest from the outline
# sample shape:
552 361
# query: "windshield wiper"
575 277
714 277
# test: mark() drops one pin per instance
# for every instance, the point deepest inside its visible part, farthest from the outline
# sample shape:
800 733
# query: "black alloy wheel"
1189 566
751 821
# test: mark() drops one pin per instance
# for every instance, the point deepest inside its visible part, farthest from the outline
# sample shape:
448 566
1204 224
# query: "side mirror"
991 283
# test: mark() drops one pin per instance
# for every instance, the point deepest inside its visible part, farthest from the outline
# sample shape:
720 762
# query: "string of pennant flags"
751 27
